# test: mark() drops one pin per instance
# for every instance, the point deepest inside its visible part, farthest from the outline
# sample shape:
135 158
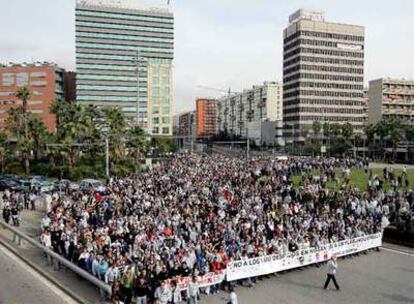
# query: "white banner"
208 279
253 267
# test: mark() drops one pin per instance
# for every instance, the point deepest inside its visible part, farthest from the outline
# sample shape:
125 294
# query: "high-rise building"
253 106
186 124
390 98
45 81
323 73
124 58
206 117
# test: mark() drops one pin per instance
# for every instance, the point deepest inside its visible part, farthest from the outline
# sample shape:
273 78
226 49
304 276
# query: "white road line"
62 296
398 251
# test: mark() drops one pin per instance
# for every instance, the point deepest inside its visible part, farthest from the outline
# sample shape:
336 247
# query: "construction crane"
229 92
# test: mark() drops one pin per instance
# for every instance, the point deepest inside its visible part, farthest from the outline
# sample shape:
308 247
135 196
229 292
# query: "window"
8 79
38 74
165 110
156 111
156 120
39 83
22 79
165 120
165 130
155 130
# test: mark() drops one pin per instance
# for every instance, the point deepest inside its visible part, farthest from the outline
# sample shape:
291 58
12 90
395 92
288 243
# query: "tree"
347 131
137 143
316 127
37 133
3 151
24 94
116 126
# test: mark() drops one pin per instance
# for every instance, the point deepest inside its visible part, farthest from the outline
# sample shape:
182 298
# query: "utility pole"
247 144
107 156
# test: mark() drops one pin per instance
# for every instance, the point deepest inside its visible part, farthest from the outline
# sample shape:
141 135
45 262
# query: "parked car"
64 184
41 183
9 184
95 185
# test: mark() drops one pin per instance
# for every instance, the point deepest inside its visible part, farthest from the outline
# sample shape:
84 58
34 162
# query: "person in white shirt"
232 297
193 291
332 267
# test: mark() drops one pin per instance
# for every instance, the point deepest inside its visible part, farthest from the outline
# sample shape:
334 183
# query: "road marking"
62 296
397 251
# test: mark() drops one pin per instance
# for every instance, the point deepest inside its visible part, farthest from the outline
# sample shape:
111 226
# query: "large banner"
242 269
208 279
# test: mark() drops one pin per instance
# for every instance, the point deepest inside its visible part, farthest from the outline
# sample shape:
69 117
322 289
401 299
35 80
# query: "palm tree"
24 94
116 126
137 143
37 133
3 150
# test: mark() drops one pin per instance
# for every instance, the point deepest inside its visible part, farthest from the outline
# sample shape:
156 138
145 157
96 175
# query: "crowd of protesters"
193 214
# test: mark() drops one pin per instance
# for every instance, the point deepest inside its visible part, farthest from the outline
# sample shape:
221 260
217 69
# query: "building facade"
206 117
124 58
261 103
323 73
390 98
186 124
45 81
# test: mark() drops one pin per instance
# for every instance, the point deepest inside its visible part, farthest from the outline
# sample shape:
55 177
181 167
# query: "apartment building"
323 73
390 98
187 124
258 104
46 83
206 117
124 58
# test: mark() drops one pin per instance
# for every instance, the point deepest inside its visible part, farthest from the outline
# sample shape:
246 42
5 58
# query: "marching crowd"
192 214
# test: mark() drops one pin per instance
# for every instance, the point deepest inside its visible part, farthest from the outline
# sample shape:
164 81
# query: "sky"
218 43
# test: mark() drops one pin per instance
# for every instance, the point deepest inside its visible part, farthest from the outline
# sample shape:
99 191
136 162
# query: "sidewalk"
35 256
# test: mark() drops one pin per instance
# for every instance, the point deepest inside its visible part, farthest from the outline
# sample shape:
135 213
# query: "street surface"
20 284
385 277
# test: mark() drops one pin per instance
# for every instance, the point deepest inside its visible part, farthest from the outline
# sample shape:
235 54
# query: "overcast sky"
218 43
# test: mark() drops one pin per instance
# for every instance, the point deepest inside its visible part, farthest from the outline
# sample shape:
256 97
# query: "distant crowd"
192 214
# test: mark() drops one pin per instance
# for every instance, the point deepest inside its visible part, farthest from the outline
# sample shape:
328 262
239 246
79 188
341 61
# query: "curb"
43 273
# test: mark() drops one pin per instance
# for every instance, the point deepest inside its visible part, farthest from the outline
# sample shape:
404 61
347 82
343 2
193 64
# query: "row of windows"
156 130
321 68
110 88
323 60
323 110
141 49
103 56
333 36
323 77
124 27
164 120
106 98
168 41
105 77
321 102
105 67
325 52
328 118
124 16
323 93
323 85
324 35
323 43
165 110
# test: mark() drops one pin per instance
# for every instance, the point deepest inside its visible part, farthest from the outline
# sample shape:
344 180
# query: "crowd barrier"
54 258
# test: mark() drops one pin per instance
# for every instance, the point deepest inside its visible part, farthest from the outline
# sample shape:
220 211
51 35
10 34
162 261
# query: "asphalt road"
384 277
20 284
